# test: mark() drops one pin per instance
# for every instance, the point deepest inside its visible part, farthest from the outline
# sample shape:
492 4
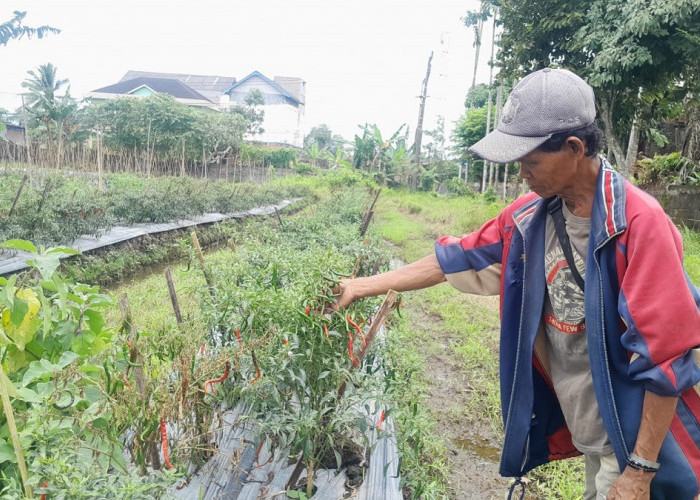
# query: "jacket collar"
608 217
608 214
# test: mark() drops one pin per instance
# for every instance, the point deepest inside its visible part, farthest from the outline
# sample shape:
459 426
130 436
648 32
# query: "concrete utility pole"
421 111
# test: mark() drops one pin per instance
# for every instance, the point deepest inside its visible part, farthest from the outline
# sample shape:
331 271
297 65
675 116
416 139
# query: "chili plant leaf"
94 320
15 315
11 389
16 244
7 453
28 395
36 370
46 264
63 250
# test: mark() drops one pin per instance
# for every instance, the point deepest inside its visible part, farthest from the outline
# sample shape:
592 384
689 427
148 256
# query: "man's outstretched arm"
422 273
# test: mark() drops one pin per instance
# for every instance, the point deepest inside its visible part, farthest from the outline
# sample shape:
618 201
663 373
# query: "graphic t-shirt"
565 329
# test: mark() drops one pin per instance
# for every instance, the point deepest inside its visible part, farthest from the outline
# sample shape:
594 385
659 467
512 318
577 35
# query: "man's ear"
575 145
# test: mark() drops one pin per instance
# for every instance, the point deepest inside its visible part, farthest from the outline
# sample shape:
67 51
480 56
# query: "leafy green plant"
51 329
291 355
668 169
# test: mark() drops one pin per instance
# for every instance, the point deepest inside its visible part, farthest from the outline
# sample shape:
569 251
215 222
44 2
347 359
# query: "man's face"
549 174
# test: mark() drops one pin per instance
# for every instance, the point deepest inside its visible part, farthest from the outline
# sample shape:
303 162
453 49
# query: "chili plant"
52 333
271 302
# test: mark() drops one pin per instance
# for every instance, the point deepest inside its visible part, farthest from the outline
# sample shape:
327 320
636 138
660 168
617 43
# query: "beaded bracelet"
639 463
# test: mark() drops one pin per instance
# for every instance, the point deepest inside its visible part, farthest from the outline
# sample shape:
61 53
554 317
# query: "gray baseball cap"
541 104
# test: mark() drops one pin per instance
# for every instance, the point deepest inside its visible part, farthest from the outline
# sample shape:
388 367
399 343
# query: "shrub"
667 169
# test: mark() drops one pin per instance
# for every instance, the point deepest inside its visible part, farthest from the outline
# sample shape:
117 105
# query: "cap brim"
504 148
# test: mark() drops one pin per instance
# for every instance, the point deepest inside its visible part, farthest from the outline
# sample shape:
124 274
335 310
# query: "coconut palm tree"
13 29
48 110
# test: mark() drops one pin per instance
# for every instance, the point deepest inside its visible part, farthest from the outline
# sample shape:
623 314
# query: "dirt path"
473 447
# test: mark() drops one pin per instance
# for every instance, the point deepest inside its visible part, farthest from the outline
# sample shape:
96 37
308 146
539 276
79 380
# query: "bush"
303 168
457 187
667 169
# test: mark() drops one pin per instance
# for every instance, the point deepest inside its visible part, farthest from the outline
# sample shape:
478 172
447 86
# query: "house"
284 97
13 134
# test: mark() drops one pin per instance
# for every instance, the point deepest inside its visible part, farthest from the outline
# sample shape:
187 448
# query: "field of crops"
111 395
103 408
52 208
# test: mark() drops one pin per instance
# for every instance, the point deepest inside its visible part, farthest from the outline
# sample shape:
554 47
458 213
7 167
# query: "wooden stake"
377 323
368 215
173 295
279 219
365 223
200 256
43 196
12 428
19 193
376 197
134 357
355 269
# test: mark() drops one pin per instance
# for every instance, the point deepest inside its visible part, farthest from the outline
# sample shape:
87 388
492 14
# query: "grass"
691 244
423 453
412 221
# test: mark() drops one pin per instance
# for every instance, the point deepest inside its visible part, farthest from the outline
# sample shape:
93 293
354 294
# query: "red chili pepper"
285 341
43 495
257 368
164 444
381 421
238 336
352 356
308 308
220 379
359 330
325 329
203 349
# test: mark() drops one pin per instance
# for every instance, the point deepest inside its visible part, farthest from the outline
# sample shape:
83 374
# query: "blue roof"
276 86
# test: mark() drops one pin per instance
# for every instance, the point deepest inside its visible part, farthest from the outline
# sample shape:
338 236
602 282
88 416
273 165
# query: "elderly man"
598 317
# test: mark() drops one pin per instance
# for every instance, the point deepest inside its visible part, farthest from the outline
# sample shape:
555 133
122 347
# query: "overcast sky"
363 60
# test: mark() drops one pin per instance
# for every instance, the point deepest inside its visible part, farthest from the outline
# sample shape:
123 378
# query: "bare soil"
473 447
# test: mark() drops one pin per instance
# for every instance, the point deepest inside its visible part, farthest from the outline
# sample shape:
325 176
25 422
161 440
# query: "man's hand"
346 295
420 274
632 484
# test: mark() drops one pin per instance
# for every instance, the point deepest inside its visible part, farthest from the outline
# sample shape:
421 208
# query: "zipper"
605 346
518 351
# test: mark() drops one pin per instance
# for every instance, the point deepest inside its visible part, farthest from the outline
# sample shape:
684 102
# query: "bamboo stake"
135 358
377 323
12 427
173 295
365 223
19 193
279 219
200 256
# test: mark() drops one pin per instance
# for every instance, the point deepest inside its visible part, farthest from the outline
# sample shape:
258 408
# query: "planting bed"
267 390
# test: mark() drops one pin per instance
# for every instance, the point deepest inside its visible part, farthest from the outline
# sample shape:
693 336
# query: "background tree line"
641 57
155 133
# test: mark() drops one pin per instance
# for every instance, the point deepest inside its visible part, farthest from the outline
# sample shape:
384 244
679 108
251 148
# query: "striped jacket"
642 324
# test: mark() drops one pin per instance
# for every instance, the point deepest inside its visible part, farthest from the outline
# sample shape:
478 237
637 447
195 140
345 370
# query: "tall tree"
421 112
628 50
49 111
14 29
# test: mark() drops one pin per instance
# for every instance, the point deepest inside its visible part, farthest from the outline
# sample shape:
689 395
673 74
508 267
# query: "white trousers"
601 472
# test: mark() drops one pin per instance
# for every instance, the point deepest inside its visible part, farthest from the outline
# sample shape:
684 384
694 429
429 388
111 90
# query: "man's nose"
524 173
